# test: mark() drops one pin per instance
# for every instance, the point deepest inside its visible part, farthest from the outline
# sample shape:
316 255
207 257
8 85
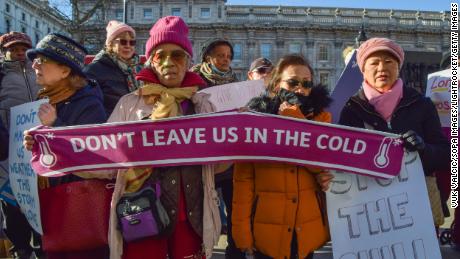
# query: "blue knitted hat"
62 49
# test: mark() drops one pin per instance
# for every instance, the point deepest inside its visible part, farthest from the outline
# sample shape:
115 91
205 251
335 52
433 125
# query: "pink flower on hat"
169 29
115 28
379 44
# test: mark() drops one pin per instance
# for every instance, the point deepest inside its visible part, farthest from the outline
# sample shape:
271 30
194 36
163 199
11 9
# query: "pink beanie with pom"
379 44
115 28
169 29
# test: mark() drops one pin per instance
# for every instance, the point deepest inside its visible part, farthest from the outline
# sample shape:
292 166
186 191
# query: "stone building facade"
320 34
33 17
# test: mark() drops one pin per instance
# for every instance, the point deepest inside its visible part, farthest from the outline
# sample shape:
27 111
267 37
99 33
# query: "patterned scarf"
130 68
215 76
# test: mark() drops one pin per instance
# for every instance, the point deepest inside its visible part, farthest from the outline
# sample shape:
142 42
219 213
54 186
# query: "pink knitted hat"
377 44
169 29
115 28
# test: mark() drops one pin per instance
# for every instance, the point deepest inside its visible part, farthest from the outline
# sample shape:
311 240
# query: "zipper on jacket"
29 91
253 212
320 198
396 110
298 199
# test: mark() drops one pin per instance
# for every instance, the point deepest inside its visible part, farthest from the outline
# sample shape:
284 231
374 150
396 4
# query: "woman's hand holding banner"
213 138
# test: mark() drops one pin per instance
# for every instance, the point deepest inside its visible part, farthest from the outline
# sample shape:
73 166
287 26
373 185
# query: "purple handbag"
141 214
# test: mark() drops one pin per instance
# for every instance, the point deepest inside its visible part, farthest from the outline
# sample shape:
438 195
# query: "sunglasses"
124 42
178 56
42 60
263 70
293 83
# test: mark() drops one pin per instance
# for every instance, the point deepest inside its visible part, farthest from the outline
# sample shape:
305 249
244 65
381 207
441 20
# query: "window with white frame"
119 14
23 17
37 24
175 12
205 13
7 7
237 51
295 48
324 79
266 50
323 53
148 13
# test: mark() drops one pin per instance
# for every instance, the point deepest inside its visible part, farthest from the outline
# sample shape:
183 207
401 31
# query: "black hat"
61 49
260 62
210 45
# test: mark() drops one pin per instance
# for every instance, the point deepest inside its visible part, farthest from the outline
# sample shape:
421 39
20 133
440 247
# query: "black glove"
412 141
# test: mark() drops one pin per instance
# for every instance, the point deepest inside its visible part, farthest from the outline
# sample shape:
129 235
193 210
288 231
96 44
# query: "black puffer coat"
414 112
111 79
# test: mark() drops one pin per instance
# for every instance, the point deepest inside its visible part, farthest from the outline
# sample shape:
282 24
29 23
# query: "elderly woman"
17 78
73 100
17 86
216 57
166 92
115 67
384 104
278 208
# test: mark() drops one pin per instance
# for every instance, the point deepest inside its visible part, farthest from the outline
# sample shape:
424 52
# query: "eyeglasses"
262 70
178 56
124 42
293 83
42 60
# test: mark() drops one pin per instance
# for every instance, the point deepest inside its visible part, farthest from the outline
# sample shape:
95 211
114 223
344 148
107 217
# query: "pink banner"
216 137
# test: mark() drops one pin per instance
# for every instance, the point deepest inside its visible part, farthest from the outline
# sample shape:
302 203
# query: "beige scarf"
166 103
56 94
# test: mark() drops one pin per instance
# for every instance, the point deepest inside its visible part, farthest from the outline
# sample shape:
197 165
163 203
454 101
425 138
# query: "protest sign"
348 84
377 218
438 89
23 180
215 137
228 96
6 193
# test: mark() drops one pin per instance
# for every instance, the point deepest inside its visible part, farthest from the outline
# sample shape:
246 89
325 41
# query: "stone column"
251 47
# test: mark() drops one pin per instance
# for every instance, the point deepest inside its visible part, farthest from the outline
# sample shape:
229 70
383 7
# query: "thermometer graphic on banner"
47 157
381 160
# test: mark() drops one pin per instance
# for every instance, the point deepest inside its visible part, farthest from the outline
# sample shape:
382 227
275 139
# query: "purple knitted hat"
169 29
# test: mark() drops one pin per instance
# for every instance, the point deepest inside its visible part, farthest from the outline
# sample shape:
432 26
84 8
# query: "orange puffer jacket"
271 200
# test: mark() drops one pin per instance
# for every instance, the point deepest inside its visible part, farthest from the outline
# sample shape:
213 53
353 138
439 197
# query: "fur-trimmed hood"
310 106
